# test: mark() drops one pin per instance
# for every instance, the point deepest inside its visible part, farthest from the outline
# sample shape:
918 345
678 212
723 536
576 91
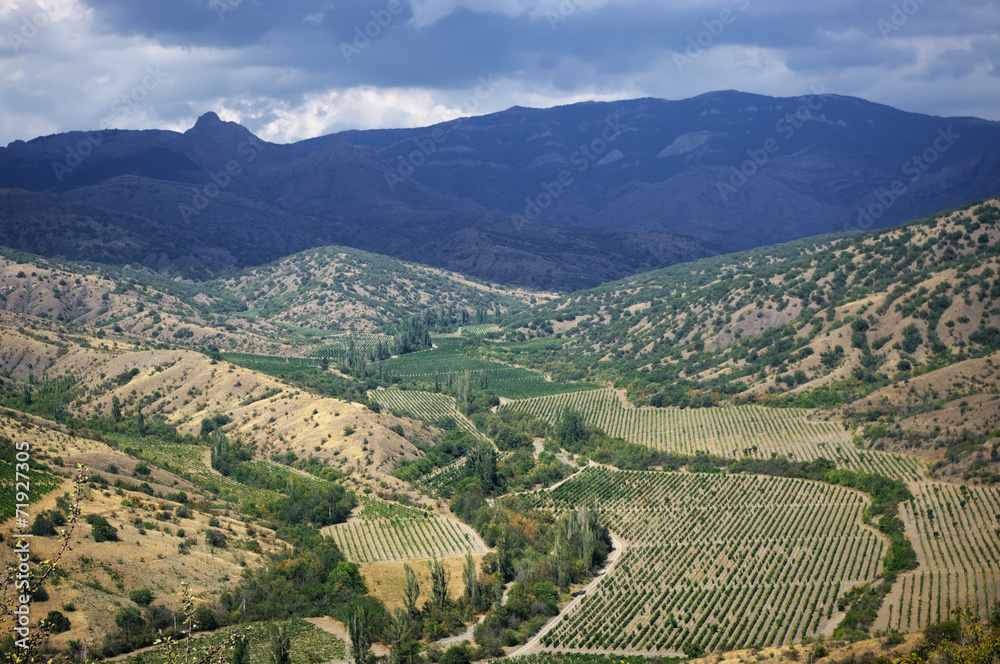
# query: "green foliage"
142 596
101 530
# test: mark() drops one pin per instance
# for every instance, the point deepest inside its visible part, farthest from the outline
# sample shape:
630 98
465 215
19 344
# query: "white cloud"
362 107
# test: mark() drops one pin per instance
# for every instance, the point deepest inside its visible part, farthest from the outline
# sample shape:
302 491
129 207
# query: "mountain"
564 198
736 169
215 199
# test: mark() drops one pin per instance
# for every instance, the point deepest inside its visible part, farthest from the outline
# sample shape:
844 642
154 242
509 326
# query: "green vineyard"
717 561
338 347
507 381
954 532
383 532
427 406
732 432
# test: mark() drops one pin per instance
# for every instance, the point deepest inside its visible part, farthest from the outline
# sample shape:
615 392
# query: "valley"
788 448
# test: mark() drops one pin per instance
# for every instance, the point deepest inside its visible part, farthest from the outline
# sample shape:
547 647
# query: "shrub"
142 597
215 538
56 622
129 619
101 530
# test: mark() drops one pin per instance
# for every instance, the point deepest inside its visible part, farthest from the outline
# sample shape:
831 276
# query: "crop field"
720 561
427 406
447 342
479 330
954 532
338 346
383 532
505 380
732 432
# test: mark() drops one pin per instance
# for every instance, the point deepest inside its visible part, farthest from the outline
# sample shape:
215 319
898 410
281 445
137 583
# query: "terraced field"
718 561
382 532
732 432
954 532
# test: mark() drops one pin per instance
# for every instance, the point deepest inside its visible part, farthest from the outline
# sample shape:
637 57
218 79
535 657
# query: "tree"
360 636
439 582
471 579
412 591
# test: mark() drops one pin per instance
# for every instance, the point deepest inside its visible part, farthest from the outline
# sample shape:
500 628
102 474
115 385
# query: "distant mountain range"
564 198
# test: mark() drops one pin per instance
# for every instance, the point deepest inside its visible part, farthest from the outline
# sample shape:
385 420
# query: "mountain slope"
216 198
565 197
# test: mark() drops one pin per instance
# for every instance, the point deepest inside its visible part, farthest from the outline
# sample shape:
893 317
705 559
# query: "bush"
142 597
101 530
215 538
56 622
204 619
129 619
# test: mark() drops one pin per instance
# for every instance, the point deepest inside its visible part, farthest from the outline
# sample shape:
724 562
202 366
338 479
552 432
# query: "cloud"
302 66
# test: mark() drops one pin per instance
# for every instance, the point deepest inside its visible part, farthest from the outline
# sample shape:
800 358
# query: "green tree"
360 635
473 591
412 592
439 582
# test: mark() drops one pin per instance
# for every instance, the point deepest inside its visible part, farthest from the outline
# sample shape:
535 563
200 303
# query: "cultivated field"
383 532
733 432
427 406
954 532
444 365
720 561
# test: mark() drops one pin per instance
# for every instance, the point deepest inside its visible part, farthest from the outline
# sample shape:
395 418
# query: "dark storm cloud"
319 64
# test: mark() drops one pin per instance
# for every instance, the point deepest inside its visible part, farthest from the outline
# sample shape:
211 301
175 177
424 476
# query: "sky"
296 69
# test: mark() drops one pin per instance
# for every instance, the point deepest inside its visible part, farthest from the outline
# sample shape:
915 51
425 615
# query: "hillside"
278 308
562 198
907 317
